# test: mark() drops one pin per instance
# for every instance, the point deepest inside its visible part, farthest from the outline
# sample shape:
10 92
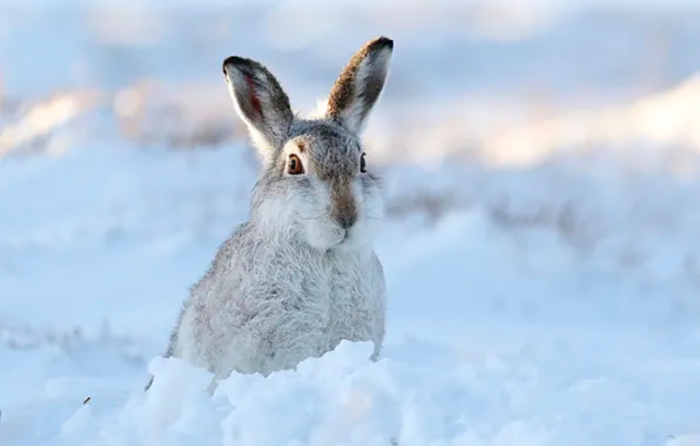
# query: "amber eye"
294 166
362 163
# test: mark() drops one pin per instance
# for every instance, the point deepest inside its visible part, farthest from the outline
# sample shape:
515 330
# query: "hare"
300 276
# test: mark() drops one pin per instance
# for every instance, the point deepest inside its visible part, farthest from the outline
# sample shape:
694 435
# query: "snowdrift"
344 399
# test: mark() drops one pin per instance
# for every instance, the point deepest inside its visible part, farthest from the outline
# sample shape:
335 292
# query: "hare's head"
316 184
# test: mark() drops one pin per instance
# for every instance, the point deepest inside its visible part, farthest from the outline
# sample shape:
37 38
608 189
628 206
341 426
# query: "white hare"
300 276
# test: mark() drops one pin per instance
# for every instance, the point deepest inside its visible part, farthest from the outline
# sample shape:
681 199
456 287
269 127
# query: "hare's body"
300 276
235 321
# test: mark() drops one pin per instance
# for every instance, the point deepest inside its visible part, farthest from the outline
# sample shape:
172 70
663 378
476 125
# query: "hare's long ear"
360 83
261 103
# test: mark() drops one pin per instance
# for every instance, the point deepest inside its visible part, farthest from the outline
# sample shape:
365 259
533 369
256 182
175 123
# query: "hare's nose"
347 219
343 205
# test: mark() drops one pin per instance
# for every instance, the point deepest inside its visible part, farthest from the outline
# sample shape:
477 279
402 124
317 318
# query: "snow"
501 331
546 296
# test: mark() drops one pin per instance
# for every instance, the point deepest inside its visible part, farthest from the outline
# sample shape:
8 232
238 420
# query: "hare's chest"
355 300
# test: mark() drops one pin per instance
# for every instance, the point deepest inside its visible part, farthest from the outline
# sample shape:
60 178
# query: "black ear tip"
382 43
234 61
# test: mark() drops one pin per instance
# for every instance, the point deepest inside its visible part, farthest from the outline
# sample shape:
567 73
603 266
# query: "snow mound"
343 398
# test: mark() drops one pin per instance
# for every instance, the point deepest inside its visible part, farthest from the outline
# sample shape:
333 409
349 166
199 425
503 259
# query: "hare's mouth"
343 239
347 240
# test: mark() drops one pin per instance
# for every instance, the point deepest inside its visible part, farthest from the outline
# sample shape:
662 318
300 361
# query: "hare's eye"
294 166
362 163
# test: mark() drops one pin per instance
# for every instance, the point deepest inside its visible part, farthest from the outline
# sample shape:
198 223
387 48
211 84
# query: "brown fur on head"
360 84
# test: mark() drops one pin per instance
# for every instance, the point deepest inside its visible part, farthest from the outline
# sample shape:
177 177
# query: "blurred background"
540 159
505 81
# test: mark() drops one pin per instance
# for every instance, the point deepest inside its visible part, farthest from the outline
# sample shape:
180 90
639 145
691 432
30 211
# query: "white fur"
339 296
